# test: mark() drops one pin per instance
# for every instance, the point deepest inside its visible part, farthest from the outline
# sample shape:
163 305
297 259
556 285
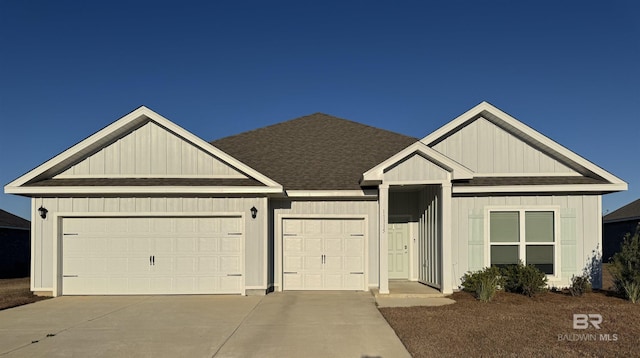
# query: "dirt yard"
15 292
515 325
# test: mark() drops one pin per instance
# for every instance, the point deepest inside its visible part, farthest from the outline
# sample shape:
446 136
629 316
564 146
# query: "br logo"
582 321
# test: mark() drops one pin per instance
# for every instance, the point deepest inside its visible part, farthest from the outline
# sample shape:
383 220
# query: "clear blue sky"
569 69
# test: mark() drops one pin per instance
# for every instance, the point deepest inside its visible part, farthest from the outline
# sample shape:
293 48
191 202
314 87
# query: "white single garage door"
152 255
323 254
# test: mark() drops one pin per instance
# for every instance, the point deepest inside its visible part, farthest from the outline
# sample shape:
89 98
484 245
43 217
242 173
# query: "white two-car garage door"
152 255
323 254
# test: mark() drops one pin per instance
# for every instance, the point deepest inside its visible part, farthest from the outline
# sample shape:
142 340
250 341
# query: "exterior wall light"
254 212
43 212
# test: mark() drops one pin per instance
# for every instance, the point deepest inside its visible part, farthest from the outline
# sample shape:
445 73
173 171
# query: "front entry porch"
412 232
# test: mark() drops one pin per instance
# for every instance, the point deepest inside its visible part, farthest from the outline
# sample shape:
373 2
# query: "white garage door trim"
280 250
58 247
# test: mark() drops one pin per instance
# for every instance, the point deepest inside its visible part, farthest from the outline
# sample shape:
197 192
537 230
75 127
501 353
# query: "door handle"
150 262
153 260
323 259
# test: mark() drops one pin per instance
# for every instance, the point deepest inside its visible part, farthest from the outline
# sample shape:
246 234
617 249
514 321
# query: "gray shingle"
315 152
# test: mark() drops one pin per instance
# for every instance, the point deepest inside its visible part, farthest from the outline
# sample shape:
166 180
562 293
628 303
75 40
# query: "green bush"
579 285
625 267
483 283
526 280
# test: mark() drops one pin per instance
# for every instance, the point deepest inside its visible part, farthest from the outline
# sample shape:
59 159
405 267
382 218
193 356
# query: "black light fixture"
254 212
43 212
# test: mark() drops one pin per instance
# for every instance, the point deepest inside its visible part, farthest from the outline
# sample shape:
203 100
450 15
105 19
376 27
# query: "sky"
569 69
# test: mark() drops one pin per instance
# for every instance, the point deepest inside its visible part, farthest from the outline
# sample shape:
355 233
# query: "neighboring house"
315 203
616 225
14 245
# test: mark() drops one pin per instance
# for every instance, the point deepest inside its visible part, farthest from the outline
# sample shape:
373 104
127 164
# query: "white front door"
152 255
323 254
398 250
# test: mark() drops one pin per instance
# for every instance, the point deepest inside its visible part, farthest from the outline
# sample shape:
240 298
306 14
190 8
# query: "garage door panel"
230 264
117 257
230 244
313 262
312 245
330 250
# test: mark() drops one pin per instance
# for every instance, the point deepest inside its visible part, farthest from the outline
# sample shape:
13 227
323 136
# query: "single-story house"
315 203
617 224
14 245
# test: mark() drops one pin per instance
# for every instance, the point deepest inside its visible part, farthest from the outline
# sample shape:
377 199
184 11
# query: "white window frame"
522 244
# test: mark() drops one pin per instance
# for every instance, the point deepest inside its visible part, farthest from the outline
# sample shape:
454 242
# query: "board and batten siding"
486 148
330 208
43 236
580 230
147 151
414 168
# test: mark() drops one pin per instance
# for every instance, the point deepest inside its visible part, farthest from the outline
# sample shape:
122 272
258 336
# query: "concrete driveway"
291 324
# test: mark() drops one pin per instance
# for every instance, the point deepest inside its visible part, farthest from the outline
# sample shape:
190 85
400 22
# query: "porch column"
447 250
383 220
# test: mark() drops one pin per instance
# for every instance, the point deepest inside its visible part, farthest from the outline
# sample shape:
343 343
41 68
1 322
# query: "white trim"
375 175
149 176
59 216
278 249
369 193
419 182
539 188
119 127
497 114
517 175
142 190
632 218
383 239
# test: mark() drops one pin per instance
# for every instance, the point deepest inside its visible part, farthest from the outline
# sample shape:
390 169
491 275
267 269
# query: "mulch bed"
513 325
15 292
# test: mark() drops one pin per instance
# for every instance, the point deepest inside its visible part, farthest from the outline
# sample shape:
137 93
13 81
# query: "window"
526 235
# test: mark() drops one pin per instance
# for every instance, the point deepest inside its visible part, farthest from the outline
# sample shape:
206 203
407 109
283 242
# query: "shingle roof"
315 152
9 220
629 211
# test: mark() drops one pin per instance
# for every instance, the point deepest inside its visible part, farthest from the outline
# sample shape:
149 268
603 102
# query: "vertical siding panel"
96 163
158 146
111 204
127 205
189 159
143 204
112 158
174 155
158 204
82 168
96 205
174 205
189 204
80 204
501 151
470 142
143 149
205 163
127 155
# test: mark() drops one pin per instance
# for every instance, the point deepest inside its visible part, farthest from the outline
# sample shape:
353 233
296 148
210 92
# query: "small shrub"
526 280
625 267
631 290
579 285
483 283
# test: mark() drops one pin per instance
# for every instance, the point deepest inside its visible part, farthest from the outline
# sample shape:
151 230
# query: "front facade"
315 203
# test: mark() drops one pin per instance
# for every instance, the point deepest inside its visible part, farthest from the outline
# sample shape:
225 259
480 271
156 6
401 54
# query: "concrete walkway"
310 324
404 293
